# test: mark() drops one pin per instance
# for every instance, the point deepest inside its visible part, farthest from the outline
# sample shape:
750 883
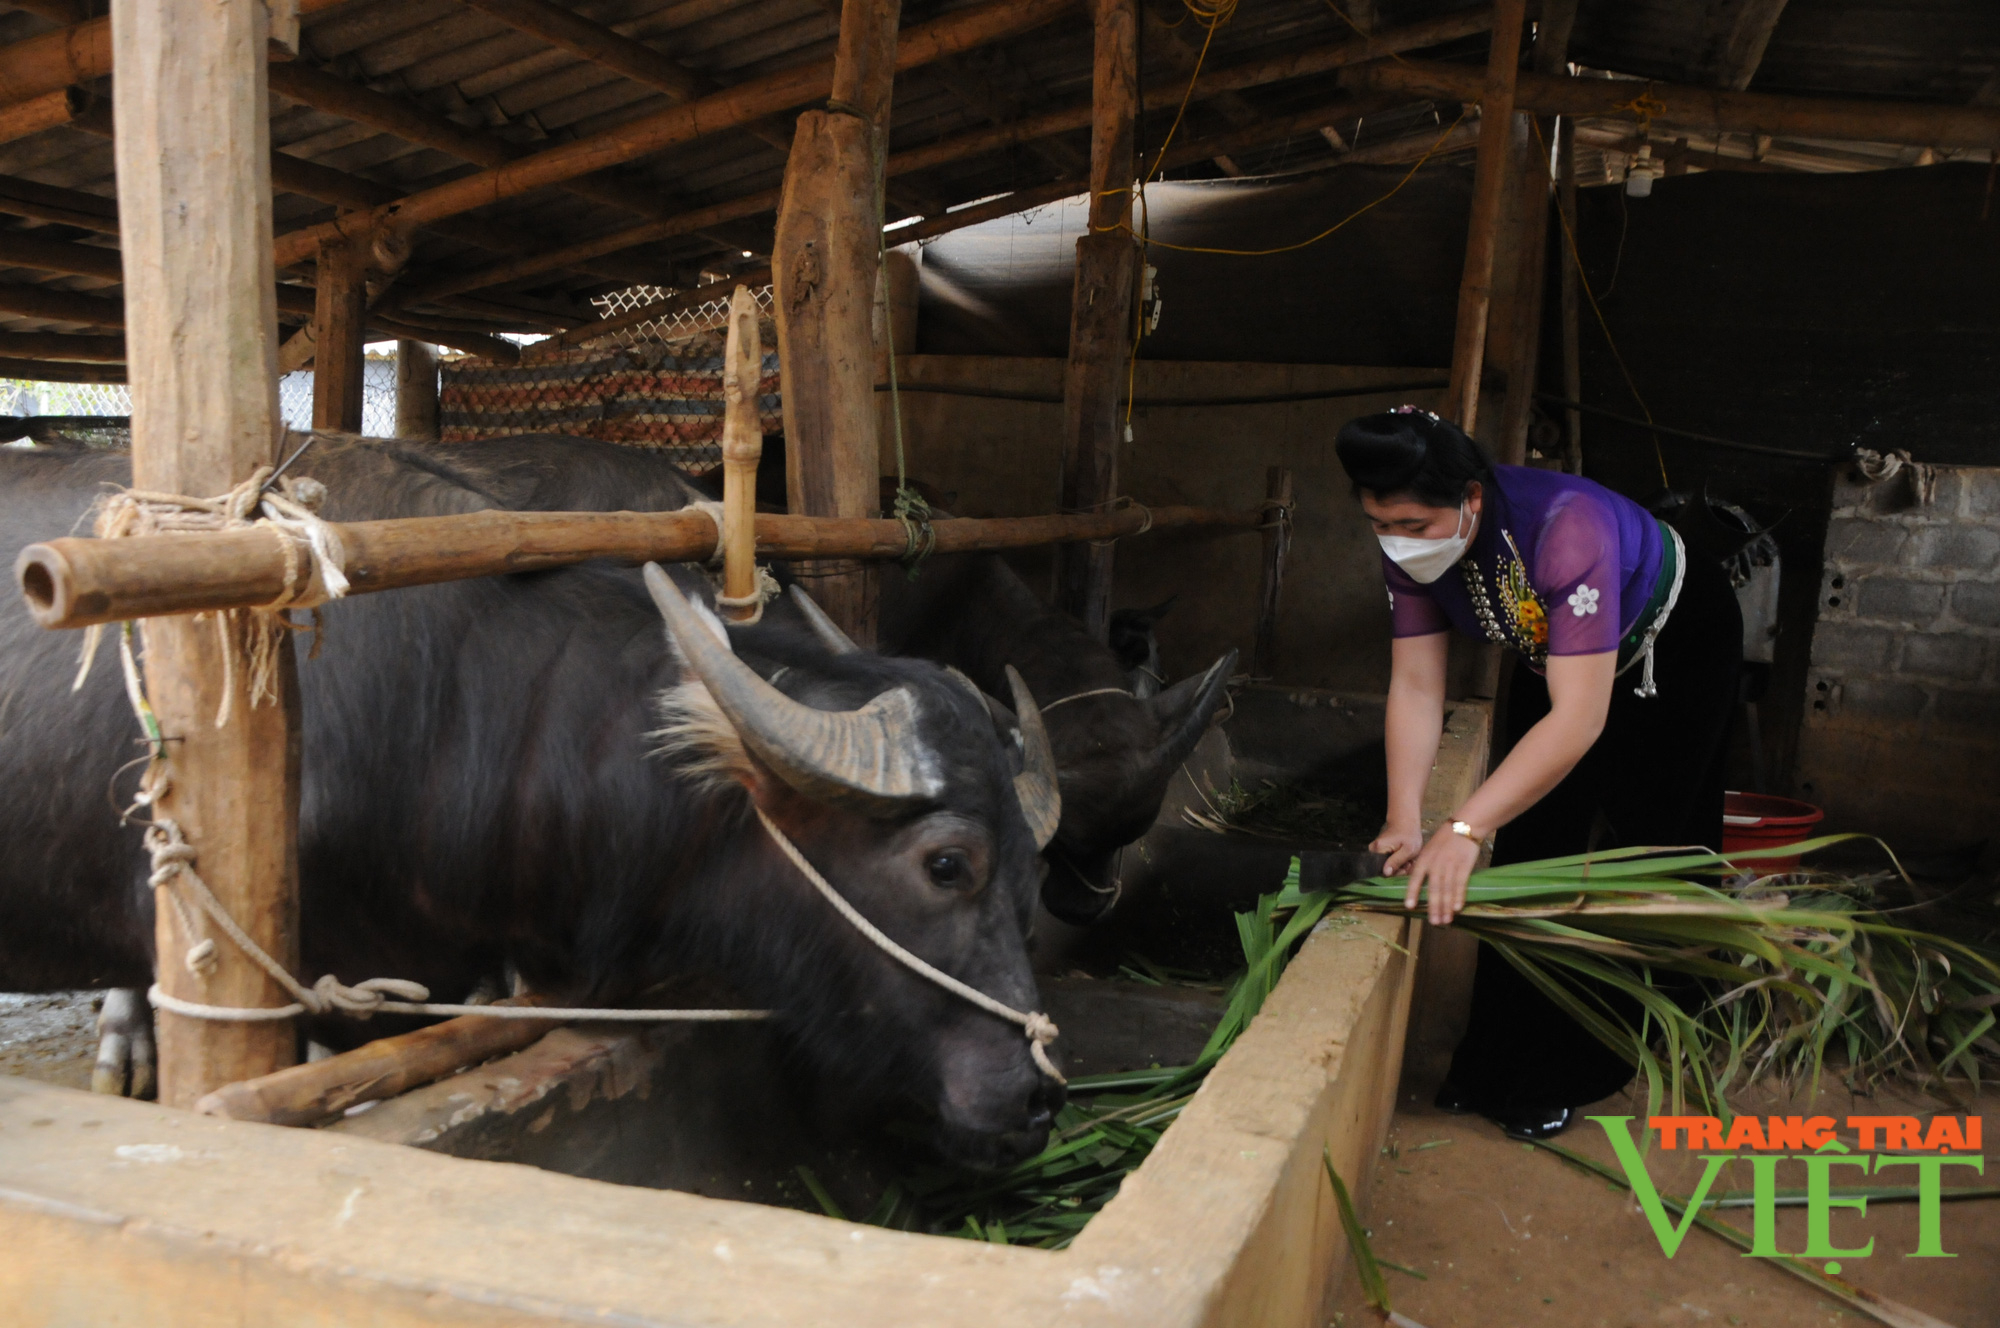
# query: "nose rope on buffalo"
1041 1029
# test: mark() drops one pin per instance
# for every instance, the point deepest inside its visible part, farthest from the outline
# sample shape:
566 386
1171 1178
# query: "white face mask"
1428 559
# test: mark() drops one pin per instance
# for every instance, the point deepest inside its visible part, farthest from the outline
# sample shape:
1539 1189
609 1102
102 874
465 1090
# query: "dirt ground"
51 1037
1508 1234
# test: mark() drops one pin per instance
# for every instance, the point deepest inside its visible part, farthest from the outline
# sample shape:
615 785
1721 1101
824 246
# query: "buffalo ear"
1185 710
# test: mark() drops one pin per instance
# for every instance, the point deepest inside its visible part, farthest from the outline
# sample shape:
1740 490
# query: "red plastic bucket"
1760 820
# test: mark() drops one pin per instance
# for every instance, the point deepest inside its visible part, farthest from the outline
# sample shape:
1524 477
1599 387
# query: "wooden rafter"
1737 33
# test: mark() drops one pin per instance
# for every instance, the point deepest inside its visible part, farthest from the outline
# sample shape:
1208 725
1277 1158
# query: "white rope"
1078 696
1041 1029
173 871
764 590
1646 688
713 511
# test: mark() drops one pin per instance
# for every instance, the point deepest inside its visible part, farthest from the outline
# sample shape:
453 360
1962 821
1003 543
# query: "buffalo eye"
949 869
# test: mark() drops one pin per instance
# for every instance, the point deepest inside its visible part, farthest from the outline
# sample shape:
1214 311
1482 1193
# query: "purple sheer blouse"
1560 566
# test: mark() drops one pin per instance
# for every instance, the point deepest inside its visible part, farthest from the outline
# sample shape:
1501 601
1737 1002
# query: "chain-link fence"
99 414
685 323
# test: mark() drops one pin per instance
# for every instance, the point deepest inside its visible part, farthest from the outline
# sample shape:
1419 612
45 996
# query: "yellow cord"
1583 279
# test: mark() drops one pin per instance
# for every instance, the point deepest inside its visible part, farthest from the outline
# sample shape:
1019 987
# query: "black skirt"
1654 777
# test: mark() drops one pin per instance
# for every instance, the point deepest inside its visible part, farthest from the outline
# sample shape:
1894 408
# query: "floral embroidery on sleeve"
1584 600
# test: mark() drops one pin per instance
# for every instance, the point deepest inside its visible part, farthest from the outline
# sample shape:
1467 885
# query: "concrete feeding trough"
113 1210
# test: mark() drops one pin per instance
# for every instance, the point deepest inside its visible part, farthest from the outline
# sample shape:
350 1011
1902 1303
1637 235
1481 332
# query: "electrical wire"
1583 279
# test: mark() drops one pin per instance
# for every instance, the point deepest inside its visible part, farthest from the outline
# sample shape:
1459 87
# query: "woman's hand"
1445 865
1400 842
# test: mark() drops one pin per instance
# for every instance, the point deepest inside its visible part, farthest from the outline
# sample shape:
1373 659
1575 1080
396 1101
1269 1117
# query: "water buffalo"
1115 751
520 771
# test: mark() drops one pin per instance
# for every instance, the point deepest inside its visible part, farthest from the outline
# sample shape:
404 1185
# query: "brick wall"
1902 732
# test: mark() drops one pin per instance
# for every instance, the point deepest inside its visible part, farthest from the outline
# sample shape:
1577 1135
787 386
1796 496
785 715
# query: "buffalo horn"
836 641
1035 787
870 756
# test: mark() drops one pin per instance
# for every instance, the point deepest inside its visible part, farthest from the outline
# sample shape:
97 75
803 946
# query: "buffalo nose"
1044 1102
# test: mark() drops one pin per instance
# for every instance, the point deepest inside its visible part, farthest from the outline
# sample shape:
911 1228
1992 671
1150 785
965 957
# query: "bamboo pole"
74 582
32 116
1100 328
749 101
78 54
1701 110
308 1094
742 449
1475 290
193 165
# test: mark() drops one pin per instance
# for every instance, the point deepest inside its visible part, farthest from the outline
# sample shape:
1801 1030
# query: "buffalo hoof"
125 1062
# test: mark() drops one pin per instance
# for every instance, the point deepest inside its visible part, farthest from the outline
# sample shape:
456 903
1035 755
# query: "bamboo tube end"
43 574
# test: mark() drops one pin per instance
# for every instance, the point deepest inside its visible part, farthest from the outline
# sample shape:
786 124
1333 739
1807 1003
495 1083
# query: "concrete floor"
51 1037
1508 1234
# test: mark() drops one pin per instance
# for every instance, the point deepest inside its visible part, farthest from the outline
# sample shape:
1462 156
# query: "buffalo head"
925 806
1115 755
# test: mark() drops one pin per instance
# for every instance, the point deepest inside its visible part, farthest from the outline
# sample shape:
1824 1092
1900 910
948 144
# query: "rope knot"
363 998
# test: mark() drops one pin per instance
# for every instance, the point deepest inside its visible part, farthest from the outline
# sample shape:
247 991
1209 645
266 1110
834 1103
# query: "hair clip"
1417 410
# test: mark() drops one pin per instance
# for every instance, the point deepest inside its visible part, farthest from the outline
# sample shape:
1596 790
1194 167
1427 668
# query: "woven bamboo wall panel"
656 396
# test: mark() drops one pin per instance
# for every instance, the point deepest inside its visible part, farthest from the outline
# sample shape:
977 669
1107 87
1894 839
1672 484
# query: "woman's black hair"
1413 452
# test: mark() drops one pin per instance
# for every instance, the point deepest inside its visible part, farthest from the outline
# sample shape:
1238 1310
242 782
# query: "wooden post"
1515 320
742 448
416 390
1100 322
1572 344
1277 546
823 265
193 160
1475 290
340 335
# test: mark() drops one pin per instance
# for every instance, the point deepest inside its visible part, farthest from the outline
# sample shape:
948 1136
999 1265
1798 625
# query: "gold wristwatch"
1465 828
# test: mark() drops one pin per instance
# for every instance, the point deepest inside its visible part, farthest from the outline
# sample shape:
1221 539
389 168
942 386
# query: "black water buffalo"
1115 751
521 771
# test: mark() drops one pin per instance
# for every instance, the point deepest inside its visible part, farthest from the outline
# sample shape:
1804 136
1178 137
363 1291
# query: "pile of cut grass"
1800 970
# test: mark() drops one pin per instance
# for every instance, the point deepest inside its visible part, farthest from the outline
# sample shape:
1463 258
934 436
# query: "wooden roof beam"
610 49
996 20
1705 110
301 82
79 53
960 147
1737 33
72 347
59 371
296 175
67 207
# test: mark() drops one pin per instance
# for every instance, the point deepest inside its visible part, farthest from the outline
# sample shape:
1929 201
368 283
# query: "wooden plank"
47 202
607 47
62 371
665 307
193 162
25 249
59 306
416 389
1100 330
824 268
1700 110
62 346
754 99
74 582
340 337
1475 290
308 1094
